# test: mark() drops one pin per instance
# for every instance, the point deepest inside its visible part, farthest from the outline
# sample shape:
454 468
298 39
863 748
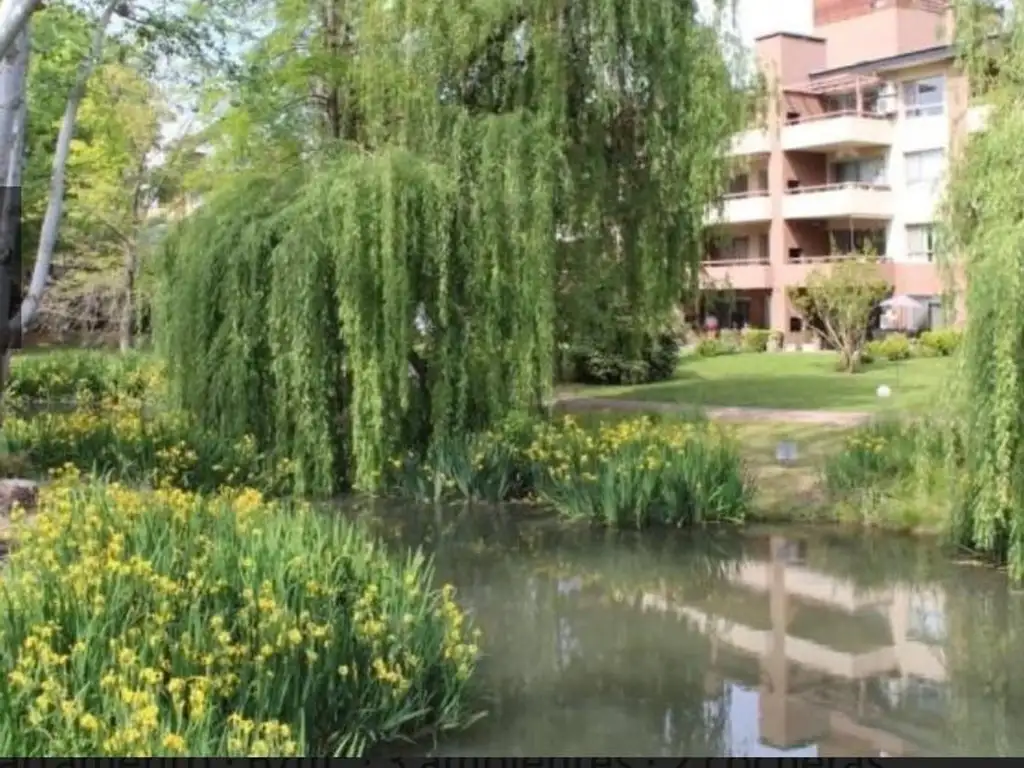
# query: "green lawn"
799 381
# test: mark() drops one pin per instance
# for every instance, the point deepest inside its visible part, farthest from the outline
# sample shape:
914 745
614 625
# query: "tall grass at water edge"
119 439
895 472
73 375
635 472
166 623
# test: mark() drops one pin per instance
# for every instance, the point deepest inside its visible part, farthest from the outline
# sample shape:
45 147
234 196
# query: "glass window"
739 185
925 167
925 97
864 171
921 242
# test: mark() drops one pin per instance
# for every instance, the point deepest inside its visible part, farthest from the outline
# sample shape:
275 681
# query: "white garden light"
883 390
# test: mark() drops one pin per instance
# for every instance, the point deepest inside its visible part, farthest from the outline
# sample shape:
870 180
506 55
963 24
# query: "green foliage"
839 299
879 453
630 474
657 360
131 443
983 236
895 346
63 375
944 341
709 346
893 472
169 624
756 339
435 180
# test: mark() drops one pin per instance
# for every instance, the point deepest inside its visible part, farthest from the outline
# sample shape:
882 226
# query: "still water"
785 642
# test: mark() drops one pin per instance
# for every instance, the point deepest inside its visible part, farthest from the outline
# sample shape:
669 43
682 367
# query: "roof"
899 61
794 35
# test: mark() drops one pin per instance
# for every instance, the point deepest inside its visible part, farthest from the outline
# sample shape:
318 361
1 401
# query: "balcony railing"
831 258
840 186
743 195
867 113
734 261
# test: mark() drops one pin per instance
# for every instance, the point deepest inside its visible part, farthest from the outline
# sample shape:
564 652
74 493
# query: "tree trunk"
14 16
51 220
127 323
13 113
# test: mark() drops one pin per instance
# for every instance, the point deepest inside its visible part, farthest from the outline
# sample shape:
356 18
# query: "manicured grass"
796 381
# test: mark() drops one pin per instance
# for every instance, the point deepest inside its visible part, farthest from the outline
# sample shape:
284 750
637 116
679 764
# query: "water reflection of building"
836 662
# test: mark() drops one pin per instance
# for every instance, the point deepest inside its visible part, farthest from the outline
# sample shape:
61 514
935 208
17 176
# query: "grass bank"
792 381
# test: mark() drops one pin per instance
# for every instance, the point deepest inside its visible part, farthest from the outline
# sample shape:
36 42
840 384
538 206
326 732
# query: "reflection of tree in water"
569 649
983 653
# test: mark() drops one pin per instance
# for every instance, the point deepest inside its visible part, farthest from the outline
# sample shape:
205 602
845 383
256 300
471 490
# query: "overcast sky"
762 17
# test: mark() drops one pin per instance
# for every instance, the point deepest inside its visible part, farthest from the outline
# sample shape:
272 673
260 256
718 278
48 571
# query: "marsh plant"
124 440
81 375
166 623
631 473
895 470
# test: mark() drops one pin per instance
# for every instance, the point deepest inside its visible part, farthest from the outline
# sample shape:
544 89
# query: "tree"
984 240
838 300
384 164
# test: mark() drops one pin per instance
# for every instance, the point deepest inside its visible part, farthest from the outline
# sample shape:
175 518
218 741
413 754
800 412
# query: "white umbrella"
901 301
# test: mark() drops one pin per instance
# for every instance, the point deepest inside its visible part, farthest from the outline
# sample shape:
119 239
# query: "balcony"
856 200
796 271
742 208
739 274
752 142
837 130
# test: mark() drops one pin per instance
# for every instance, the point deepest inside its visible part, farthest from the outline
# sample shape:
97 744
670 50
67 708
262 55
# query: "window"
863 171
921 242
858 240
739 185
926 97
762 242
762 180
840 102
739 249
925 168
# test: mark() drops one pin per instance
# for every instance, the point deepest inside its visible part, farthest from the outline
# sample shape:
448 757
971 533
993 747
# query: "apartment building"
865 116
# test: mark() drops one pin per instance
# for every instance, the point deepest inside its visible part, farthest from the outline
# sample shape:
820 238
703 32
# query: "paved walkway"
721 413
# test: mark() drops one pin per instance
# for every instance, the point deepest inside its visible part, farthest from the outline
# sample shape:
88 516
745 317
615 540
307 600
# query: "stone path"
720 413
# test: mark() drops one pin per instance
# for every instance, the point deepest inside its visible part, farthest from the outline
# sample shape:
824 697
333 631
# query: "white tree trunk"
14 16
55 204
13 112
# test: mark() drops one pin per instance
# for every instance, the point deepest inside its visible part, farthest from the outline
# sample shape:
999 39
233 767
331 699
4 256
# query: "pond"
766 642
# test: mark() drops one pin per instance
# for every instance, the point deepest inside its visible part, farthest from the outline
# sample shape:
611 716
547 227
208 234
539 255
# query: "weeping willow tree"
374 268
984 225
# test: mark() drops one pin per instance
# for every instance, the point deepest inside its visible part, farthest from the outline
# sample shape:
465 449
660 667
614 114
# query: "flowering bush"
635 471
122 439
166 623
82 375
883 452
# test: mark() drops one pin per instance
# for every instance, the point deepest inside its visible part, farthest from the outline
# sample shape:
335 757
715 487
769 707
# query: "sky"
762 17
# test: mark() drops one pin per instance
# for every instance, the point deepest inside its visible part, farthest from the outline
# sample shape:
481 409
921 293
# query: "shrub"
82 375
923 350
165 623
756 339
731 340
656 361
123 440
711 347
635 472
882 452
944 340
895 346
